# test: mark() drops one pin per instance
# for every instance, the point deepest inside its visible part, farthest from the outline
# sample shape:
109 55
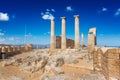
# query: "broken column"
52 41
77 32
82 39
63 40
92 37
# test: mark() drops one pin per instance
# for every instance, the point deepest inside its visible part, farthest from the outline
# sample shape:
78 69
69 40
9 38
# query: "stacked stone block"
9 50
108 63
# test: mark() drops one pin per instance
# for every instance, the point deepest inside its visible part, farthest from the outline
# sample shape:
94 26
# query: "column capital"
52 19
63 17
76 16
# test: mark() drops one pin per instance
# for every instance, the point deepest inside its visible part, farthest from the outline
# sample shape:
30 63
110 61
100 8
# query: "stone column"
52 41
77 32
63 38
82 39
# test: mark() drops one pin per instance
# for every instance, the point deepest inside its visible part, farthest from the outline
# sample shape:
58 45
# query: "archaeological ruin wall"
92 37
69 43
107 63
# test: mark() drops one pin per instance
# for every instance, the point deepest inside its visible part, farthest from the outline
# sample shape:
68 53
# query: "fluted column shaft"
77 32
52 41
63 38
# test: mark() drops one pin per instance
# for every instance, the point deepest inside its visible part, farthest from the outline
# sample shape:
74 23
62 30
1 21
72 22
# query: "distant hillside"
42 46
4 45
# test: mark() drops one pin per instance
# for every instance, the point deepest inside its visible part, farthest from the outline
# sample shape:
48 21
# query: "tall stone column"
52 41
77 32
82 39
63 38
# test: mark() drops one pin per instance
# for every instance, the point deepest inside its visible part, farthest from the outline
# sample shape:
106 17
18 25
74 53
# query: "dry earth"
49 65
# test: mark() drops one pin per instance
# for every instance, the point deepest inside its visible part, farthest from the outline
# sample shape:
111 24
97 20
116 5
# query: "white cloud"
42 13
104 9
53 10
11 39
2 39
47 10
44 33
48 15
1 34
101 35
117 13
69 8
28 35
4 16
47 33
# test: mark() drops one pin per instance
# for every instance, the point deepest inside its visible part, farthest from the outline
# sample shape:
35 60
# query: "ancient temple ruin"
63 43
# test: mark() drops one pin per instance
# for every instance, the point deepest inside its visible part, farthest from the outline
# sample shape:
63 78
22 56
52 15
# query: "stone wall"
104 65
12 50
107 63
114 63
92 37
69 42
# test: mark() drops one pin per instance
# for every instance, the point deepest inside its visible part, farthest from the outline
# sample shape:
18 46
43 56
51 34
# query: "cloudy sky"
28 21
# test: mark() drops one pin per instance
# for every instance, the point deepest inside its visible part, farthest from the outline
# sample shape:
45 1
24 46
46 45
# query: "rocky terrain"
42 64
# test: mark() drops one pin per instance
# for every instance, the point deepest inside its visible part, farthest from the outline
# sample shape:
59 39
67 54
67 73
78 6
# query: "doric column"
63 38
52 41
82 39
77 32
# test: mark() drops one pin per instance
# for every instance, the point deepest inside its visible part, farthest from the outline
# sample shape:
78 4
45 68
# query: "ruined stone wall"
104 65
91 40
92 37
114 63
69 42
97 59
12 50
107 63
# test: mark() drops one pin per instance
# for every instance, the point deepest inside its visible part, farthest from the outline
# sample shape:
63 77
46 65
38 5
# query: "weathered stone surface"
60 77
44 77
92 37
69 42
71 60
34 63
7 62
108 63
56 60
57 70
13 78
17 78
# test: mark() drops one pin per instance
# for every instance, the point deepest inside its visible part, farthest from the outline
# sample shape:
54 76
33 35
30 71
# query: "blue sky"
31 18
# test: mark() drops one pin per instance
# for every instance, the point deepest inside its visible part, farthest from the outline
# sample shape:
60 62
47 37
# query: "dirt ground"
78 71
